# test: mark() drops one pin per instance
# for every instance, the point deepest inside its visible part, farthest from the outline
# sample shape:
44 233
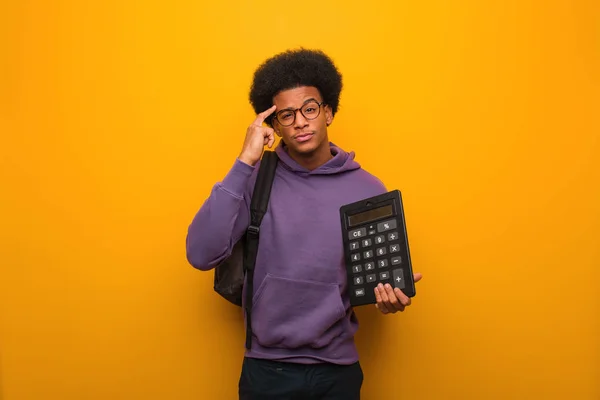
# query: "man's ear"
328 115
277 129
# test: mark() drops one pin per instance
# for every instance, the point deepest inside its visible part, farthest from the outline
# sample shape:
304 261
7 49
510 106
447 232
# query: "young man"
303 326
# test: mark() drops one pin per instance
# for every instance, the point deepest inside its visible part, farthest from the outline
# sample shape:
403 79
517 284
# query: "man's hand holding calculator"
391 300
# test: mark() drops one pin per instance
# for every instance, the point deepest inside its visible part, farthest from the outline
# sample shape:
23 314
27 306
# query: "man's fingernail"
388 286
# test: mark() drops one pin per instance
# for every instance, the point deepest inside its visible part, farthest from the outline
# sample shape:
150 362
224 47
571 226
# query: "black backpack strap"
258 208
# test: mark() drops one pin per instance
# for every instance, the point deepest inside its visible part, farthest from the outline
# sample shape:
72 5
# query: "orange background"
116 118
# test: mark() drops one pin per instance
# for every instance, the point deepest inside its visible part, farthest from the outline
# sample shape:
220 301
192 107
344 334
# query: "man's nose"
300 121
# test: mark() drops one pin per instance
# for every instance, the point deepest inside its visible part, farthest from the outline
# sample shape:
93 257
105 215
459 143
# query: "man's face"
306 132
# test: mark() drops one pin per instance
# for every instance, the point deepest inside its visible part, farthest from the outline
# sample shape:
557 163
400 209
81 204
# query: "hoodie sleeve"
222 219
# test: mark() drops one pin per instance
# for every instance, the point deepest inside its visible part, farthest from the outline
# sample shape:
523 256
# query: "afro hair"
295 68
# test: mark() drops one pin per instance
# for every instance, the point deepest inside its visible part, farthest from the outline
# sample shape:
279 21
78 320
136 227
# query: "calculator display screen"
370 215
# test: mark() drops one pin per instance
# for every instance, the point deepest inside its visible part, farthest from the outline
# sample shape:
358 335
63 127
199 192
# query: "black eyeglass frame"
295 110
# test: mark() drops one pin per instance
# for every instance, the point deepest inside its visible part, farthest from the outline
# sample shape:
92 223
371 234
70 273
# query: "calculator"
376 247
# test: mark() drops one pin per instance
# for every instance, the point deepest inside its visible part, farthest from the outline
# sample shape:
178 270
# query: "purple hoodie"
301 312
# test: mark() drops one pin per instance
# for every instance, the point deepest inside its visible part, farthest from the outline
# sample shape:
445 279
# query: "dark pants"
271 380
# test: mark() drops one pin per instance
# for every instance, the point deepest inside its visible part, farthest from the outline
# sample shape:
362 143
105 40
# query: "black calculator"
376 247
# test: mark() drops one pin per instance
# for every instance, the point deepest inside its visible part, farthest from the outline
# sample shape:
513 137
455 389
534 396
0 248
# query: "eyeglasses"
309 110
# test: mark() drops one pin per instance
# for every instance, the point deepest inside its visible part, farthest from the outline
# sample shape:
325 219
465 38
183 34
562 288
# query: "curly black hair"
291 69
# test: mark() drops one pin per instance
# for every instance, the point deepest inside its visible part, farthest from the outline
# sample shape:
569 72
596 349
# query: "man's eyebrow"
305 101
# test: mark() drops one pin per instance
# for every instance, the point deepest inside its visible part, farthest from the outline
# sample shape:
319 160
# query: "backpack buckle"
253 229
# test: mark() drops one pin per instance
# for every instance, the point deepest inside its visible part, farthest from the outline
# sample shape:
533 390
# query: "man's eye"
286 115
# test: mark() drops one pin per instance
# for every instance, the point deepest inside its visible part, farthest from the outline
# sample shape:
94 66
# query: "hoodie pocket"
290 313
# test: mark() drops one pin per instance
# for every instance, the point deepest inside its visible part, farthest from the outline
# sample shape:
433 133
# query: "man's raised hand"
257 137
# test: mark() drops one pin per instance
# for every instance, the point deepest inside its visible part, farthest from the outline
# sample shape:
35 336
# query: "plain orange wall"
484 114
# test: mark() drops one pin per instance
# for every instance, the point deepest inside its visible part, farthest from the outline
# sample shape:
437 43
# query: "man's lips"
303 135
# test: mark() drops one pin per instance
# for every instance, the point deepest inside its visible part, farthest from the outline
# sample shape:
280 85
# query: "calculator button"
357 268
359 292
386 225
369 266
396 260
367 242
372 232
355 257
393 236
371 278
382 263
394 248
358 280
357 233
398 278
384 275
379 239
368 254
381 251
353 245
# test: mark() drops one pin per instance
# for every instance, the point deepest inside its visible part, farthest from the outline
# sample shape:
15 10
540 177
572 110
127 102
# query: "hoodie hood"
342 161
